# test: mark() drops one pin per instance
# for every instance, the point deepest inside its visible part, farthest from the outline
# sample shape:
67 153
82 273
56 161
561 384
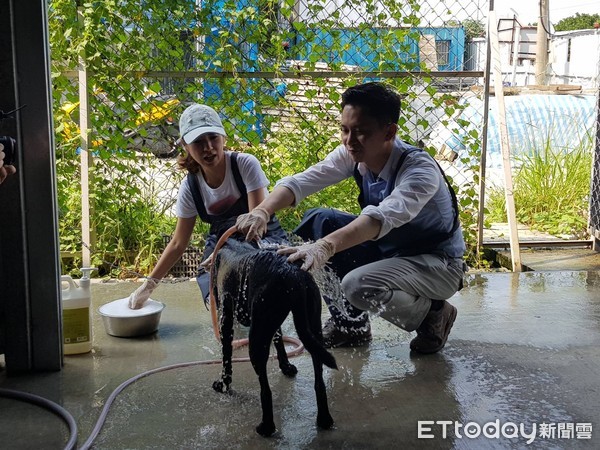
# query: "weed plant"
551 191
128 217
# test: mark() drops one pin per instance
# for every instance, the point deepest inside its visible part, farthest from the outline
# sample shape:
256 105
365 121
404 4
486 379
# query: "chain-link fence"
275 71
594 219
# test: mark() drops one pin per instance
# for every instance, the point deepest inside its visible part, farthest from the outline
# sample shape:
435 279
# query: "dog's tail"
306 332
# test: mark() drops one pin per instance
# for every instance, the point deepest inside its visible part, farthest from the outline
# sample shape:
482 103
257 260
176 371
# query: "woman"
220 186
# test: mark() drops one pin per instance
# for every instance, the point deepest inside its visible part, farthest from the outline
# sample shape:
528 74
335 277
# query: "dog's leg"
324 419
260 336
222 385
287 368
307 319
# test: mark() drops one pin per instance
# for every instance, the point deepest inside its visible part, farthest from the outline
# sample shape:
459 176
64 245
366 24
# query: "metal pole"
515 53
85 157
541 46
483 161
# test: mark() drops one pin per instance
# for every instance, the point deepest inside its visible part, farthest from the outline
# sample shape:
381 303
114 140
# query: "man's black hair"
375 99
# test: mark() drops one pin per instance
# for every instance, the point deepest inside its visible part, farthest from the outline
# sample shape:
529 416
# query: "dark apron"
417 237
402 241
222 222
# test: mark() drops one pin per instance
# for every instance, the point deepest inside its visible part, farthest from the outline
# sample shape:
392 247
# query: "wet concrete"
545 259
540 251
524 350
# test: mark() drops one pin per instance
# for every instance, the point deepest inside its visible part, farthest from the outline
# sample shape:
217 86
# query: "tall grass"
551 191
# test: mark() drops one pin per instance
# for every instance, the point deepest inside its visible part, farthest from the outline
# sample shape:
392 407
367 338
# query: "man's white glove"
253 224
141 294
315 254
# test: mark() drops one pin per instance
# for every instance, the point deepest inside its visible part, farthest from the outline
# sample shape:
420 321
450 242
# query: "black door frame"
30 311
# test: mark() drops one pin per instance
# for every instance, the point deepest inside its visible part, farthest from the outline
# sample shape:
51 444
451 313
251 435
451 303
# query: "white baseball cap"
197 120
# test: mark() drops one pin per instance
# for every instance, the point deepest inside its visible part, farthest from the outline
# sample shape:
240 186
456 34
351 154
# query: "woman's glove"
315 254
207 263
141 294
253 224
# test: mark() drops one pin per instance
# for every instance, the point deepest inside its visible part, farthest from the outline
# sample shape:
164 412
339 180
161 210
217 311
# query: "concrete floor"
524 350
547 259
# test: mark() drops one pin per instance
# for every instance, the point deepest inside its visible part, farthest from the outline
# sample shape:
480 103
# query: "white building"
574 56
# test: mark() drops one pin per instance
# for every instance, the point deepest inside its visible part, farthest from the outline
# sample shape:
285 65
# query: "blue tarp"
362 47
565 122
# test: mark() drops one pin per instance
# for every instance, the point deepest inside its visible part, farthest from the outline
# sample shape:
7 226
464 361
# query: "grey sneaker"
433 333
334 337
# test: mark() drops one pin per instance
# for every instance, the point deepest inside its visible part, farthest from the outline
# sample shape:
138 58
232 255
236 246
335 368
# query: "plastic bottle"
76 314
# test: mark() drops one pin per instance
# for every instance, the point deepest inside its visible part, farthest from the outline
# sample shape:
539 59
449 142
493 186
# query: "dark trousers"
318 223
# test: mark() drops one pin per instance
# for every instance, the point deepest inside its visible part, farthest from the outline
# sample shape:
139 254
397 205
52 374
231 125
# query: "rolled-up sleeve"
337 166
417 182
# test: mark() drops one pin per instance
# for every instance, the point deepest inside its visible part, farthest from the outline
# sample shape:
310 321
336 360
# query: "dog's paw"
324 421
289 370
221 387
266 430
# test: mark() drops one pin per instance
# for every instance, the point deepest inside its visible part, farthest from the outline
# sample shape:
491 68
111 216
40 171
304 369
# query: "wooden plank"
504 144
536 89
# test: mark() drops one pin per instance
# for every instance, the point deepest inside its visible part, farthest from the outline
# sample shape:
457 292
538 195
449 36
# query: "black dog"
259 288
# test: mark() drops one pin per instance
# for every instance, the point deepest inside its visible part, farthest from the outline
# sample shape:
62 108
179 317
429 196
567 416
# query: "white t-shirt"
219 200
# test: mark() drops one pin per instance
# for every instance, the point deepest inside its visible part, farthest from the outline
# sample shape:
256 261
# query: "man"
402 256
5 170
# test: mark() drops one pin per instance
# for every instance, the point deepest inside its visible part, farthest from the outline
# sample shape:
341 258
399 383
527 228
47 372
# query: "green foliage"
577 22
551 191
128 227
468 197
474 28
212 49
